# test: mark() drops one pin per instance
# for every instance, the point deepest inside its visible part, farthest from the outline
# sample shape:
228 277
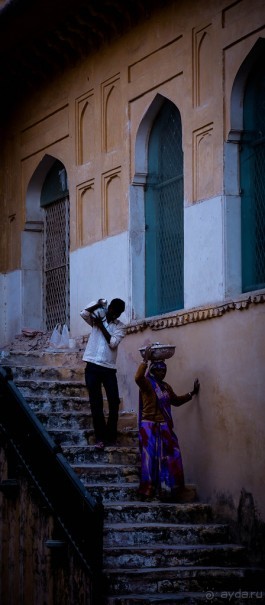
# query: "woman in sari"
161 461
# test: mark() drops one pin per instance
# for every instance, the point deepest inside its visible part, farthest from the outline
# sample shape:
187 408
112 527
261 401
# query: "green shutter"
252 180
164 242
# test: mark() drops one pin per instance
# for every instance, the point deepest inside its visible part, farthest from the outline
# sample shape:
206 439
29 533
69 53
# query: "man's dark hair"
117 304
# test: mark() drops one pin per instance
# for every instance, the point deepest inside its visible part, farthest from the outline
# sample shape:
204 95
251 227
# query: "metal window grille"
164 214
56 261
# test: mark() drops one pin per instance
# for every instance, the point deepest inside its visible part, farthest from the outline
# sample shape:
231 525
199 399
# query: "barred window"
164 240
252 177
55 201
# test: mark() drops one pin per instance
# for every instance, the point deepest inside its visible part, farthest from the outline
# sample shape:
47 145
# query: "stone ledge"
181 318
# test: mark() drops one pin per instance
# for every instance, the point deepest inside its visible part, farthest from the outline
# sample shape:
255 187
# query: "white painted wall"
98 271
203 253
10 306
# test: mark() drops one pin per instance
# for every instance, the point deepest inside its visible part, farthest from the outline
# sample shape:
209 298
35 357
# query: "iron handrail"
78 513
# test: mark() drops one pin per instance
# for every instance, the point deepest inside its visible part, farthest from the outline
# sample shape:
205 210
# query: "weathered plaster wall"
10 306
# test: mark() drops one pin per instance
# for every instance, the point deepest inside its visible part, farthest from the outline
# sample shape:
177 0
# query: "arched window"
164 239
55 202
252 181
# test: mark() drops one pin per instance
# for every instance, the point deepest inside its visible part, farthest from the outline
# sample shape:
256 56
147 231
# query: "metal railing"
77 512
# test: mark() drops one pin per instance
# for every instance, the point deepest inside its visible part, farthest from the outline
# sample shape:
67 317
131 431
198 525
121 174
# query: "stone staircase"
154 553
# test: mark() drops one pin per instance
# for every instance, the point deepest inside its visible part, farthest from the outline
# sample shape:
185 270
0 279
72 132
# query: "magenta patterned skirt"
161 463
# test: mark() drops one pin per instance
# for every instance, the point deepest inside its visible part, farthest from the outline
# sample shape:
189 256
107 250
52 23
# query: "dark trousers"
97 376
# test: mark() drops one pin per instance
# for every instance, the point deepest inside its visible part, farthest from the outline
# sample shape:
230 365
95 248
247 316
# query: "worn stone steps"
98 473
65 388
39 373
154 552
84 437
126 492
19 358
110 455
234 597
208 578
113 492
146 534
77 419
184 515
165 555
50 403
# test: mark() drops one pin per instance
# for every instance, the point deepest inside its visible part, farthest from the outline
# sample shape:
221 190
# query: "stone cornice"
182 318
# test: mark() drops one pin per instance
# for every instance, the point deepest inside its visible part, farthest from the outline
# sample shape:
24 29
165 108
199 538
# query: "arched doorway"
55 202
156 212
252 180
45 248
164 215
244 180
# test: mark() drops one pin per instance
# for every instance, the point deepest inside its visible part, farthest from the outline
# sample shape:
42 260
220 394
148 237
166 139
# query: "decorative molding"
202 65
48 130
203 162
86 227
111 118
183 318
85 127
112 202
160 56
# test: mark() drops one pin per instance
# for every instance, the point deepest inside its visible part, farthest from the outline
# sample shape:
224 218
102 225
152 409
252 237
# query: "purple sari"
161 462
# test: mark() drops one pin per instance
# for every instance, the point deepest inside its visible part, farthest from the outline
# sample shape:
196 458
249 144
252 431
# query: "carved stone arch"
238 89
137 208
232 220
32 248
142 137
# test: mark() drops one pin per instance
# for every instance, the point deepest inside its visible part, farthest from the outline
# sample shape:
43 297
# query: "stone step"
62 388
207 579
113 492
235 597
76 420
165 555
68 438
143 534
52 359
113 473
49 403
125 492
110 455
184 516
154 533
46 372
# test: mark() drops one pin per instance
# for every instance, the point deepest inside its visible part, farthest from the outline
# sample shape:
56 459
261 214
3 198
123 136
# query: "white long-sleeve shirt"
98 350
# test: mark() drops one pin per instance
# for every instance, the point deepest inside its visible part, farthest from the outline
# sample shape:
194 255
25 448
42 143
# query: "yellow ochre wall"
88 118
